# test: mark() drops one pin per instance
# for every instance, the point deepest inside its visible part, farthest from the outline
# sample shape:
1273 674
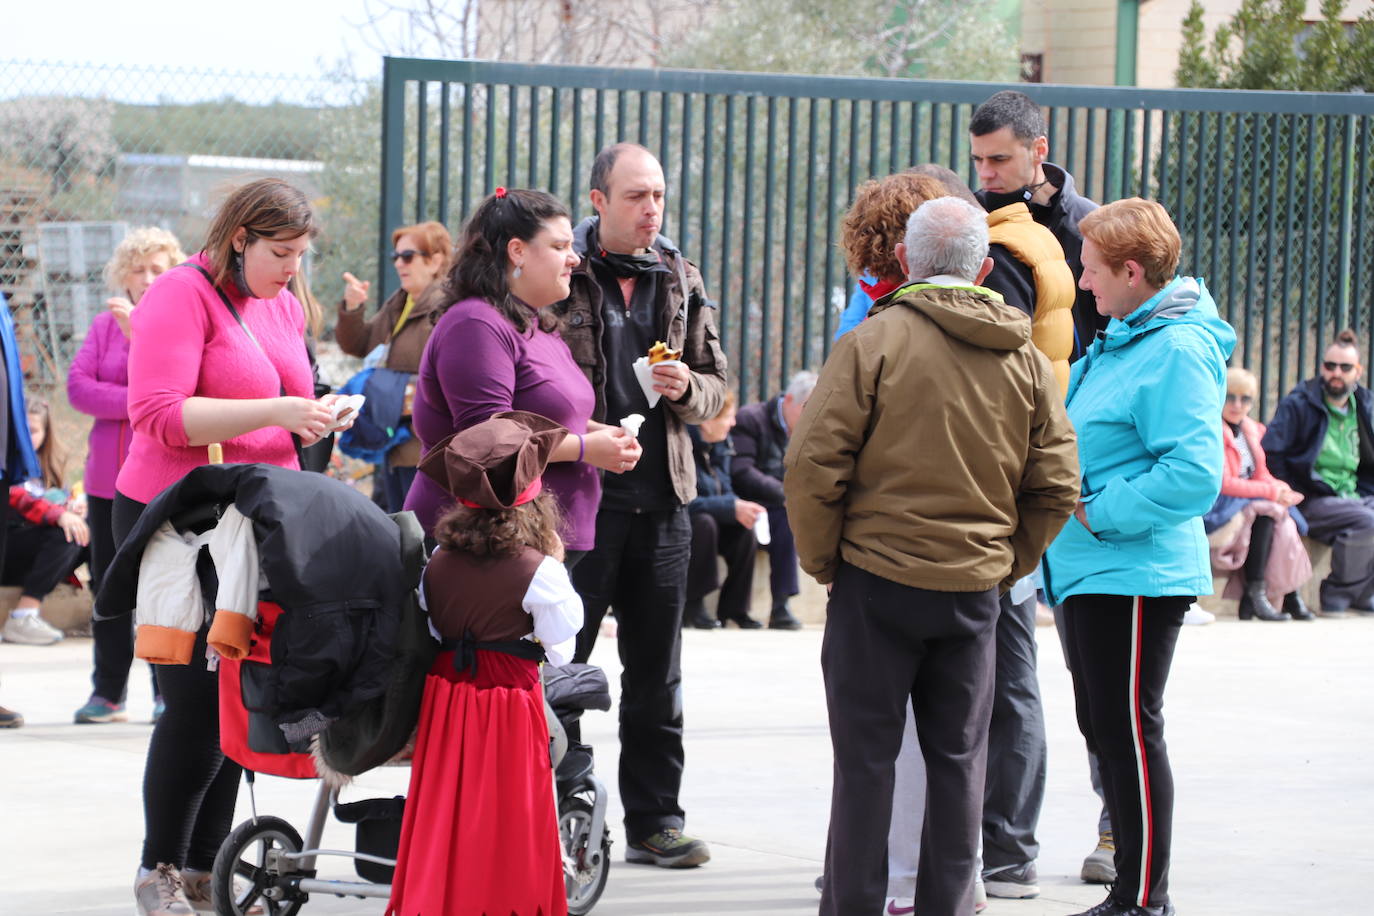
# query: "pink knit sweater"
185 343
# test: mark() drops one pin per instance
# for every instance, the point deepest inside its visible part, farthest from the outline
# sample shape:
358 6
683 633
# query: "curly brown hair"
876 222
502 532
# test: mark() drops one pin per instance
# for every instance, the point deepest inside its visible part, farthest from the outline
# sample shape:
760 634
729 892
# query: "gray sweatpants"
1348 526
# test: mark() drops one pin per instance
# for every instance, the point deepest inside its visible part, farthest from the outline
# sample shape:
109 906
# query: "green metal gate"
1270 190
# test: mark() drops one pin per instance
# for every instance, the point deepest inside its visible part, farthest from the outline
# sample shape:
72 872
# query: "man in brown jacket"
633 288
930 468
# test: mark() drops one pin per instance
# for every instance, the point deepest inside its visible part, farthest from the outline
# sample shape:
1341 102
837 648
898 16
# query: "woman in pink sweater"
98 384
217 354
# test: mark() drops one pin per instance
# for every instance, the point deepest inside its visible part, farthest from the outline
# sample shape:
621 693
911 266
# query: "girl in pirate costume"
480 834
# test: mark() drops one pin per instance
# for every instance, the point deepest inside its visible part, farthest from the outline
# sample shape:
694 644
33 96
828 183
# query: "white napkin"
761 531
645 373
632 423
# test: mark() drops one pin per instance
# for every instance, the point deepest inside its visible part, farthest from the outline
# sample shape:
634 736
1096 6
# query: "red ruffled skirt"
480 834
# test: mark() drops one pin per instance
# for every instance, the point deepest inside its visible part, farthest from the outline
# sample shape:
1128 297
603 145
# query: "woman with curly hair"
870 231
480 831
98 385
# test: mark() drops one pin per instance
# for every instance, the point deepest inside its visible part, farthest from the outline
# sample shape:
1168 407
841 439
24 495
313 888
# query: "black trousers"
639 568
885 642
736 544
1016 745
39 557
113 643
782 556
189 786
1119 652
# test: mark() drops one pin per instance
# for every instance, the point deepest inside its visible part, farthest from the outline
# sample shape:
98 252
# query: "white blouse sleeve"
556 609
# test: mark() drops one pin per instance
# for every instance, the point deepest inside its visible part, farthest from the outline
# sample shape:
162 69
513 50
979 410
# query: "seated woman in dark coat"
722 524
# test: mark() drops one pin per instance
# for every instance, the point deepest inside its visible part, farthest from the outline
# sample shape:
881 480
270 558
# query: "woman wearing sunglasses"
1253 527
1144 400
421 255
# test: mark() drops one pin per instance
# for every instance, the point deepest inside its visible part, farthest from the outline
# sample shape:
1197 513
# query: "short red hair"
1137 230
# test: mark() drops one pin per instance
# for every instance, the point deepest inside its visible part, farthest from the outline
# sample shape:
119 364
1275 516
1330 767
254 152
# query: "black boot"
1255 602
1295 607
781 618
694 615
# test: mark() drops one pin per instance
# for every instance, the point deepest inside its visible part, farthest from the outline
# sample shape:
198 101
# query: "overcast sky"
255 36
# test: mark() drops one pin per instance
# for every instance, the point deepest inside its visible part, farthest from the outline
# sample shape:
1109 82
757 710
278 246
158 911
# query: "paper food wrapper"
632 423
762 534
645 373
354 401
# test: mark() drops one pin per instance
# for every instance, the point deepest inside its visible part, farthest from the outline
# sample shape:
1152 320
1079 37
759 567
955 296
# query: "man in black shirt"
632 290
1008 142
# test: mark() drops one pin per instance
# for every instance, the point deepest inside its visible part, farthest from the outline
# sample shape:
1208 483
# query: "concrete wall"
1078 37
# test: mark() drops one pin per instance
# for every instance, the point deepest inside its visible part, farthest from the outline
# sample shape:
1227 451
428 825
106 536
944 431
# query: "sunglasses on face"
1329 366
1242 399
405 257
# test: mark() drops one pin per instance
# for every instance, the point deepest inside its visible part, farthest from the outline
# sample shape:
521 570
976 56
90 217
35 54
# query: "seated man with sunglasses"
1321 443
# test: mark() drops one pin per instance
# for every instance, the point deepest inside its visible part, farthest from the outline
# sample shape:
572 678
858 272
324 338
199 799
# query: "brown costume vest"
481 595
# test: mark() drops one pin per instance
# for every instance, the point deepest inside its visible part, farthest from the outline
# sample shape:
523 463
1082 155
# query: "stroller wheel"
249 869
584 874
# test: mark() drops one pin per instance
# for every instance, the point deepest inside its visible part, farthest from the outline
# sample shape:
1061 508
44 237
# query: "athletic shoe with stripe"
1015 882
1113 907
99 710
669 848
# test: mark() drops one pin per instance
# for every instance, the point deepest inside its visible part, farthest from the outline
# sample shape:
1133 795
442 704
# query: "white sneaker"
1196 616
30 630
161 894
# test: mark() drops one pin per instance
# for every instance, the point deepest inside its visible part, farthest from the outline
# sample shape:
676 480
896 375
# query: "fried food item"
659 352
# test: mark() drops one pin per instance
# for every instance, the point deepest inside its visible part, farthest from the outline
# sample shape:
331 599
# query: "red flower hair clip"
500 193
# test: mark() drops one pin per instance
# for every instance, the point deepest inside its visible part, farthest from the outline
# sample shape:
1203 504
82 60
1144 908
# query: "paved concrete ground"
1269 726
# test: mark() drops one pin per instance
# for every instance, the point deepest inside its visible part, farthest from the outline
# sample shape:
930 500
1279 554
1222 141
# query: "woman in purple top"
497 348
98 384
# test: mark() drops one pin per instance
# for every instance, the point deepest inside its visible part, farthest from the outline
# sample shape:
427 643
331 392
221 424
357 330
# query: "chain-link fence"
88 153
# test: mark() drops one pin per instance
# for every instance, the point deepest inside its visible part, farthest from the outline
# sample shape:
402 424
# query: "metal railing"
1269 189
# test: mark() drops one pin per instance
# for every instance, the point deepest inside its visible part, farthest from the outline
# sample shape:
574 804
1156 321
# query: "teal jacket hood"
1145 400
1184 300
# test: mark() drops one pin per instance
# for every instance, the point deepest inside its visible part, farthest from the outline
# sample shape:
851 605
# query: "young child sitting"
480 832
46 540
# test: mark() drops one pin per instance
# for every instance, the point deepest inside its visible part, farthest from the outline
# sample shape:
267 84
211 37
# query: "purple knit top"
476 364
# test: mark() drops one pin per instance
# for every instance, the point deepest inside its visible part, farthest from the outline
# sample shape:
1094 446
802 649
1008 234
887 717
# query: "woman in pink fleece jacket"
98 384
200 375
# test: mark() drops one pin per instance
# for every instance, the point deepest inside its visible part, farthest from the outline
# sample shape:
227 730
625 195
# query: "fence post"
393 172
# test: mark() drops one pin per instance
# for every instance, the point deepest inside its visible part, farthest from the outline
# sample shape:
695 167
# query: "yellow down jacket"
1035 246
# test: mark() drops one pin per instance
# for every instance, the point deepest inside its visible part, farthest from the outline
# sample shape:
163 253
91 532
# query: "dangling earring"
518 271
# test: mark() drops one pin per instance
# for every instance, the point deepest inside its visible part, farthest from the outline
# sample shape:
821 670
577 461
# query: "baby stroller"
275 867
330 680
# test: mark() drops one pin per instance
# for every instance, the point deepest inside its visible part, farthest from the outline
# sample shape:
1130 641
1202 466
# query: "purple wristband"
581 447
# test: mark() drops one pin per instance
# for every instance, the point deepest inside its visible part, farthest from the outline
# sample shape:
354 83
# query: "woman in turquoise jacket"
1144 401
